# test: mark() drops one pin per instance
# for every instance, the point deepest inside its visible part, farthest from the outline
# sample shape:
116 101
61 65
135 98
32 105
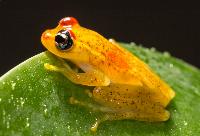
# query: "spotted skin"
125 87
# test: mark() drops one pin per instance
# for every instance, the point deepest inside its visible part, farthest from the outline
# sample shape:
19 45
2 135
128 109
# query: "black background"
172 27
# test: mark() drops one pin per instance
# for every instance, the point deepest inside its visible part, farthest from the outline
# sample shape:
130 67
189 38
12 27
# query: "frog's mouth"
48 41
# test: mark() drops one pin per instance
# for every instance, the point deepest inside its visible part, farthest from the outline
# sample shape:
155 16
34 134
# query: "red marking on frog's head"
68 21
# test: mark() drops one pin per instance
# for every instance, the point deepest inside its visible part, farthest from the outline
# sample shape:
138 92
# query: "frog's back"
142 72
126 68
121 66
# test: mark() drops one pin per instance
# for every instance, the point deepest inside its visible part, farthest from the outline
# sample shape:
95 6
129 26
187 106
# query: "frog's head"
64 40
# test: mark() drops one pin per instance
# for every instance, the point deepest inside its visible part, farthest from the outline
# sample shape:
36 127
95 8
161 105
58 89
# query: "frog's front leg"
91 78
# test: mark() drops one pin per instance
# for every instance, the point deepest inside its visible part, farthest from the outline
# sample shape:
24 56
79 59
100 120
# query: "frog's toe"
50 67
72 100
99 121
94 127
88 92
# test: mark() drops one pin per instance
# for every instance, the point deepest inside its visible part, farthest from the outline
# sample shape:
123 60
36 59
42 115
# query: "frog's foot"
98 122
95 108
51 67
91 106
89 93
72 100
63 70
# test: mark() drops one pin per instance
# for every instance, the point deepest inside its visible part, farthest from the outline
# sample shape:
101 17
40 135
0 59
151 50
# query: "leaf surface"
34 101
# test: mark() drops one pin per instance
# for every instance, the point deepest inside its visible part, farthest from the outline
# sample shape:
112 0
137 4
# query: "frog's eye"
68 21
63 40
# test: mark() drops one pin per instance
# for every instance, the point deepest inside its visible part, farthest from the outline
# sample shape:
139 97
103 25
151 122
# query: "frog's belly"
127 98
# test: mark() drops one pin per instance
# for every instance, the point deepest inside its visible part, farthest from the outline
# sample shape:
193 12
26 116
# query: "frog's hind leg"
116 114
130 102
130 115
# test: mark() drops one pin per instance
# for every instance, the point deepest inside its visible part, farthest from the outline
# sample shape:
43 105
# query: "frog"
124 87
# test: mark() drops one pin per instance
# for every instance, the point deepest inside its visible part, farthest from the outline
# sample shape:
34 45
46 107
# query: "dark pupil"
63 40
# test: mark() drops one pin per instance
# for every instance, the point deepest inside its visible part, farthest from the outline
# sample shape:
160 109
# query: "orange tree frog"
124 86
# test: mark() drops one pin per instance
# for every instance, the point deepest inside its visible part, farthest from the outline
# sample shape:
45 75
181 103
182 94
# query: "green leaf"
34 101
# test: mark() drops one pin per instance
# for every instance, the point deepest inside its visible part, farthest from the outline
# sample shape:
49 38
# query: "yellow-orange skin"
134 90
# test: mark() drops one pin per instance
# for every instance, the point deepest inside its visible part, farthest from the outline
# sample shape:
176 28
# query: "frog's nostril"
46 35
